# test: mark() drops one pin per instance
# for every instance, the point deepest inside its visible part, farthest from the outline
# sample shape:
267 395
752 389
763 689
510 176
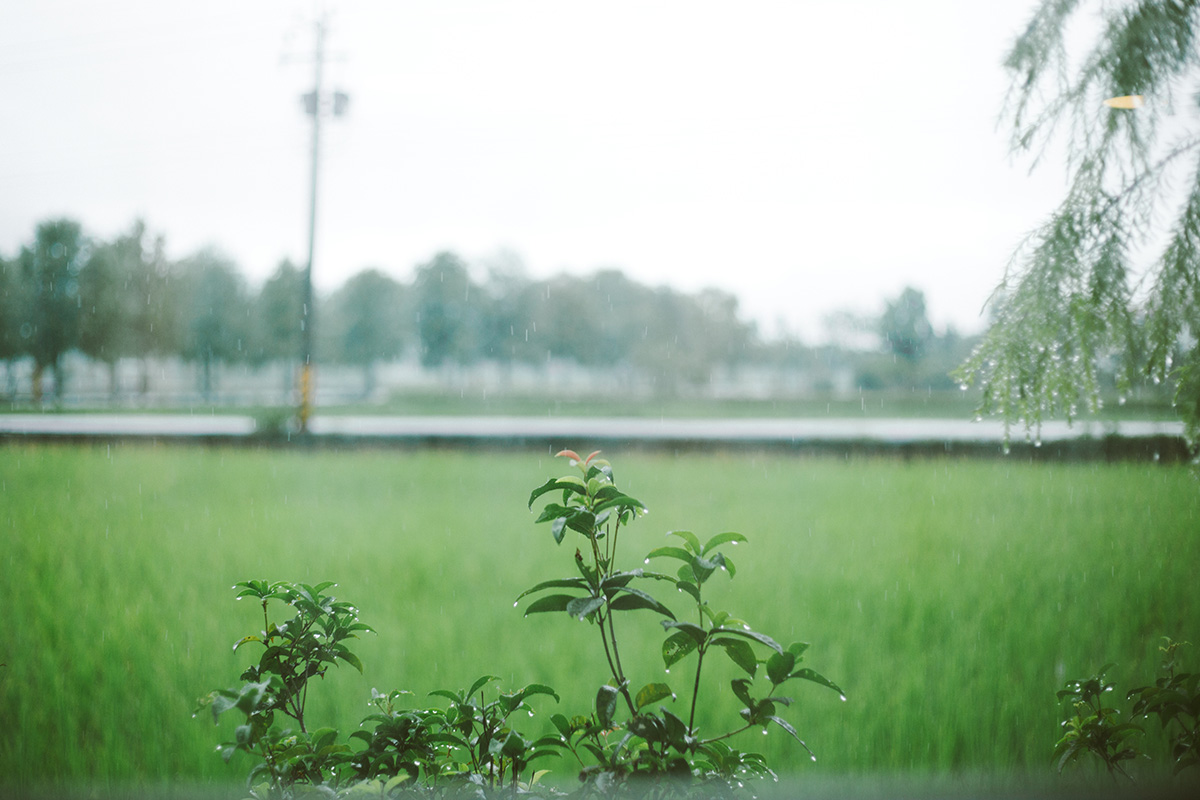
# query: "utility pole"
316 103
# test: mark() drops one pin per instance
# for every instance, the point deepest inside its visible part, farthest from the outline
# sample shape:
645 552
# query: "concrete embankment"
902 437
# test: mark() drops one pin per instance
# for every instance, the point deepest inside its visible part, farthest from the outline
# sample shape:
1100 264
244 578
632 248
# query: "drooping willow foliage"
1111 279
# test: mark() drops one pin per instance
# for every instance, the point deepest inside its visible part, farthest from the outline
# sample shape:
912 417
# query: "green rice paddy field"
949 598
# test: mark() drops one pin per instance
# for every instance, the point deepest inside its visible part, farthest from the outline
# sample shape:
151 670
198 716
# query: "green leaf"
606 705
690 538
537 688
396 781
251 696
561 724
797 649
671 552
604 491
652 693
741 688
571 483
741 653
623 502
600 467
580 607
548 486
779 666
220 701
323 738
717 618
551 602
808 675
762 638
514 745
783 723
479 683
620 579
554 511
582 521
676 730
677 646
695 631
352 660
720 539
558 583
702 568
629 599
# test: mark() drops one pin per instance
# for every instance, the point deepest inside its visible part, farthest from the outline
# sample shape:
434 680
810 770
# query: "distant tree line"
124 299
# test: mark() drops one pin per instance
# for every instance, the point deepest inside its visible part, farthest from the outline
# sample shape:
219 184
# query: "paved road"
783 431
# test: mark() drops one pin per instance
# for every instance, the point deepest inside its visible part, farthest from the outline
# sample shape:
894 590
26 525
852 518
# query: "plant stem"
624 684
607 655
732 733
696 689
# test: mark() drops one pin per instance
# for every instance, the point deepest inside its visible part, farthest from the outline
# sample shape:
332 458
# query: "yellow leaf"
1127 101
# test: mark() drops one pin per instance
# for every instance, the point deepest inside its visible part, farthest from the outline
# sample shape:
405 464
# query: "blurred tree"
1069 299
622 313
504 332
277 314
13 302
904 327
566 321
686 337
366 318
107 301
215 313
446 327
154 315
50 272
276 326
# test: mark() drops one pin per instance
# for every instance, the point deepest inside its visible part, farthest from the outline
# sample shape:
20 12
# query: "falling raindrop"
843 697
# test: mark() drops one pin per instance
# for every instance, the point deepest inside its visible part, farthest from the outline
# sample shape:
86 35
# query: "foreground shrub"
628 742
1092 727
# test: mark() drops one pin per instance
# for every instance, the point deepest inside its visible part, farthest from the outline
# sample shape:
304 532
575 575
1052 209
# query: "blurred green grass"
949 598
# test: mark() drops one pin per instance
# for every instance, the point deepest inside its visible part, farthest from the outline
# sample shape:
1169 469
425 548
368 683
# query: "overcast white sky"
808 156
